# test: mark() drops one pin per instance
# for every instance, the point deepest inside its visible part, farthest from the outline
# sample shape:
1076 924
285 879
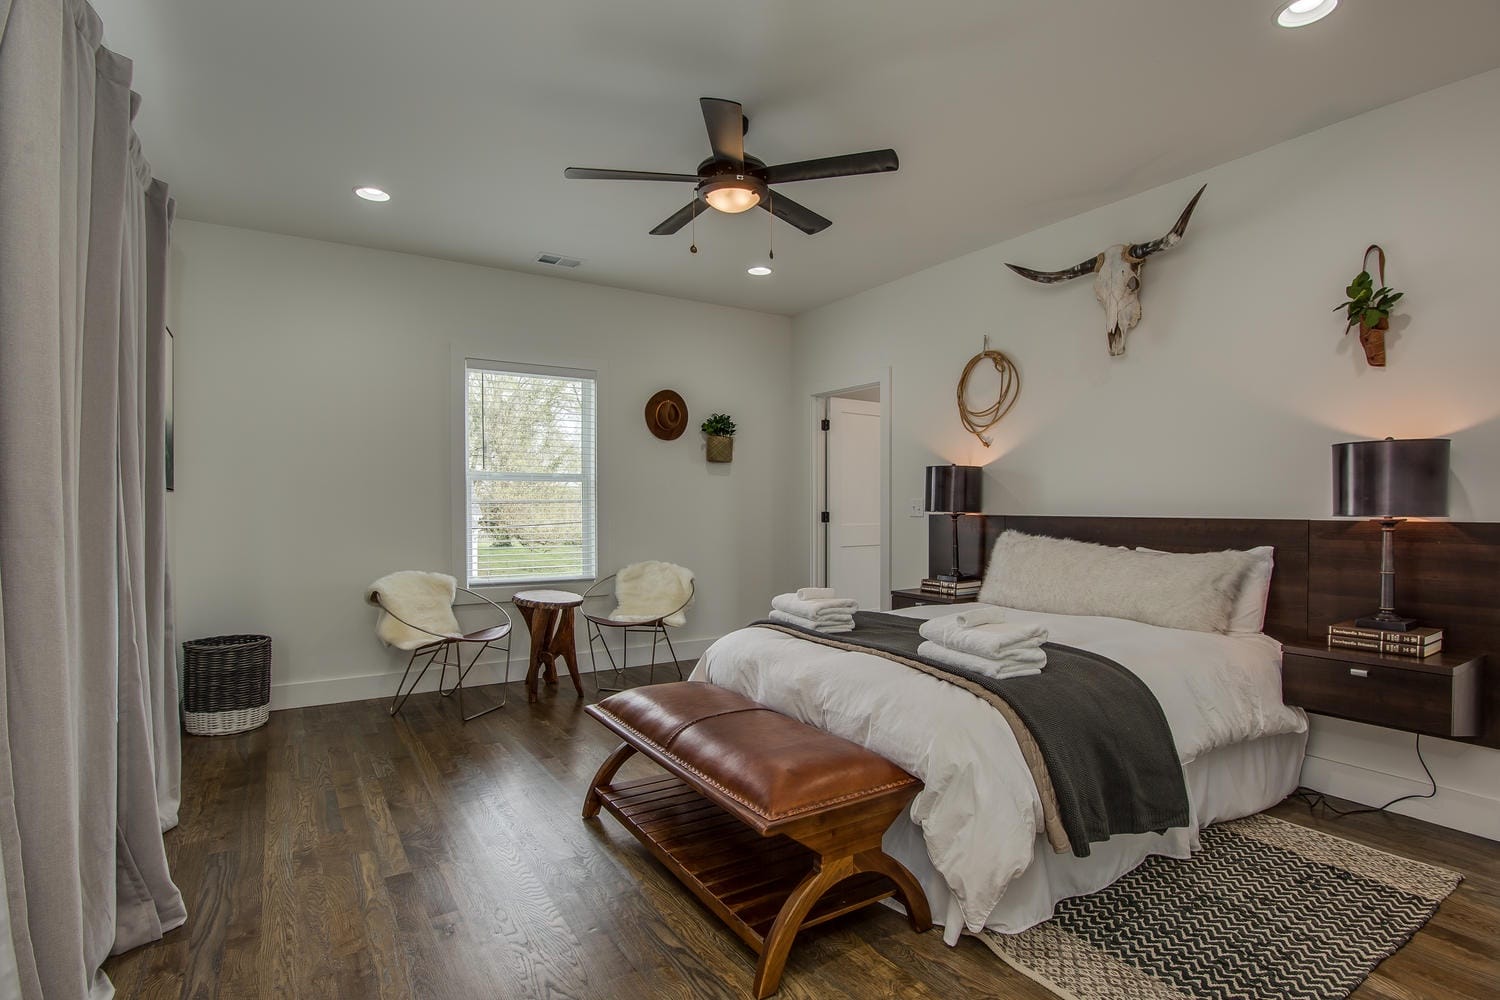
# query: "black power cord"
1314 799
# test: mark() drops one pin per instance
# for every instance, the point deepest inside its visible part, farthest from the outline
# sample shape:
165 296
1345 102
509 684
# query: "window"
529 495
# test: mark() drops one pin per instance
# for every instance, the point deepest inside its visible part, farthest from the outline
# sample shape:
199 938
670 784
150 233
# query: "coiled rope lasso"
977 421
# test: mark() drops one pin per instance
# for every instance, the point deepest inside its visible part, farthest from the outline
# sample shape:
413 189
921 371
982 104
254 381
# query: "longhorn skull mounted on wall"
1117 277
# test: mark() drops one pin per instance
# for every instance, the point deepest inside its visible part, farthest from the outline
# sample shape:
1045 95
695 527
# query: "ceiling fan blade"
726 128
678 219
800 216
876 161
602 174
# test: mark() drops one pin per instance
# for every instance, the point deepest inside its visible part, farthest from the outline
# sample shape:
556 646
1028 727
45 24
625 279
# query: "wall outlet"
916 509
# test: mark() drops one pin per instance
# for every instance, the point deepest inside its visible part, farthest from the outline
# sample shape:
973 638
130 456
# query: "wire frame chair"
656 626
452 646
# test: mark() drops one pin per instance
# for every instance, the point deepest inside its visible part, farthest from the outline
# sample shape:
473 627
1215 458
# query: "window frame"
464 361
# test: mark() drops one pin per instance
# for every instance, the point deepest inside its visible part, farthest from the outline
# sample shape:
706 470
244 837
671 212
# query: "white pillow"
1249 611
1195 591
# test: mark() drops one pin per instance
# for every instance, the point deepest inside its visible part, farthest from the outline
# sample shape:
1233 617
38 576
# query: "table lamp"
953 490
1390 481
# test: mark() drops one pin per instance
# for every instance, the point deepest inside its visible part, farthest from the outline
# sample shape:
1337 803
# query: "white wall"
314 411
1238 379
315 421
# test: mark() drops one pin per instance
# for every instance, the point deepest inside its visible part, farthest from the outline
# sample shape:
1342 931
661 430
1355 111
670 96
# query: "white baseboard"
1451 807
359 687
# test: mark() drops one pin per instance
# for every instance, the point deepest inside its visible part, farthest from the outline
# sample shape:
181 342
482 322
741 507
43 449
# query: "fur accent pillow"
647 590
1249 612
423 599
1195 591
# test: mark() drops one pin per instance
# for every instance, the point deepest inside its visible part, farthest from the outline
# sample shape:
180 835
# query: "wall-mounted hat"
666 415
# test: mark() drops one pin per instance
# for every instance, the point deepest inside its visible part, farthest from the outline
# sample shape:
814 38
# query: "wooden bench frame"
765 879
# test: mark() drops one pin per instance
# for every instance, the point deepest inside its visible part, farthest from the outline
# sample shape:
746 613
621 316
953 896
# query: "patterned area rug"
1267 909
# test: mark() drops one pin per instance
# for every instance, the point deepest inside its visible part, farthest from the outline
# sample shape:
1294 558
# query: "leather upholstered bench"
772 824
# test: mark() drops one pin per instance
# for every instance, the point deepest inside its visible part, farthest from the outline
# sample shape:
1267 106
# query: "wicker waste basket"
226 684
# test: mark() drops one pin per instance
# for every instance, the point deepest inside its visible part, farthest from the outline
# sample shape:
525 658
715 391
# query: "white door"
853 503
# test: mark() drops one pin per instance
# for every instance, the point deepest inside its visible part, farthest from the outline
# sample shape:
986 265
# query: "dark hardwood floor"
337 852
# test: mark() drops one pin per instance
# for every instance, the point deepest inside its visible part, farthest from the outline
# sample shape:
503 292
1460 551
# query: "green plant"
719 424
1367 305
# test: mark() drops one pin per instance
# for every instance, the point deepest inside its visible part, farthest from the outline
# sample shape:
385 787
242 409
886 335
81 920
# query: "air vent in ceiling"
557 260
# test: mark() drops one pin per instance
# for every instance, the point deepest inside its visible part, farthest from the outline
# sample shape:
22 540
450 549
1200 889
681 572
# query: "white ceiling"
1007 116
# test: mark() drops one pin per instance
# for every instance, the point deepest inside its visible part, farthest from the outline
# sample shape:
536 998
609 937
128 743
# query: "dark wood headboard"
1447 572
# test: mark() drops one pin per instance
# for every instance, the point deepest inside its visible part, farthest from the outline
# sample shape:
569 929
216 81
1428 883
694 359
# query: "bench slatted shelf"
743 877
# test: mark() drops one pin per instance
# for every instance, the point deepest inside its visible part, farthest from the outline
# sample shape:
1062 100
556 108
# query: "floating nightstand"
1437 695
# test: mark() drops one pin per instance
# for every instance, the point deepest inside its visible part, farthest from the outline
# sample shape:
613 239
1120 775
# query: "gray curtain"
89 751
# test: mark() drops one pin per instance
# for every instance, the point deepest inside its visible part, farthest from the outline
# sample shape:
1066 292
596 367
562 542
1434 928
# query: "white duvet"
979 812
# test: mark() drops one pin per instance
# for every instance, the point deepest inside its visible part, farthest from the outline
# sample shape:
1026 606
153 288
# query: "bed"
974 836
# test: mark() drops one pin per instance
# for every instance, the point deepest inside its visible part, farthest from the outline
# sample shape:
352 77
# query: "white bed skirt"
1224 784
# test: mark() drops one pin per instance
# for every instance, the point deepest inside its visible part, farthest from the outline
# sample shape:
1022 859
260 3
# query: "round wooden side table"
549 618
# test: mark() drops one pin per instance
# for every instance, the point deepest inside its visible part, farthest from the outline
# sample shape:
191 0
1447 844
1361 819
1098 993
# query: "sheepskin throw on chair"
646 591
414 598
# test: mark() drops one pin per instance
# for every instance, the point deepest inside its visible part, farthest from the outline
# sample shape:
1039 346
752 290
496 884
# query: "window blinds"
530 497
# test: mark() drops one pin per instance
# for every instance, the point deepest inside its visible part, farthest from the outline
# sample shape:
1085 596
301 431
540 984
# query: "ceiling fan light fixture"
732 195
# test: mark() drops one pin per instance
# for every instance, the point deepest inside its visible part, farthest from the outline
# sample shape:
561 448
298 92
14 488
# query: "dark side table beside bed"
915 597
1436 695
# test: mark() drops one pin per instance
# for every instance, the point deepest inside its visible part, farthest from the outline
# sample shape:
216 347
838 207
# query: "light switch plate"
916 509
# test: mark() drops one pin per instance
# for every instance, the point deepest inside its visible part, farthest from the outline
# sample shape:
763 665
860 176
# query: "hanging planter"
1369 308
720 448
719 428
1372 339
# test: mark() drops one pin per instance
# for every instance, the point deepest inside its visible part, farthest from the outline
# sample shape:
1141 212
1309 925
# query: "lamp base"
1385 621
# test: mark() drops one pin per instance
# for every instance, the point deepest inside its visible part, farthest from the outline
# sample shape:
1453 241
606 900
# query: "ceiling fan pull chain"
694 247
771 204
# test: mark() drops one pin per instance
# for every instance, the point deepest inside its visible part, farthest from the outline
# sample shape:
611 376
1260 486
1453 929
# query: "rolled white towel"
1021 663
991 641
984 614
815 593
817 610
830 627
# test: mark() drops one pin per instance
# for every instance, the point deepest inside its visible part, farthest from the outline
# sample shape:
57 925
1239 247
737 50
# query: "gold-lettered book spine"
1421 637
1375 646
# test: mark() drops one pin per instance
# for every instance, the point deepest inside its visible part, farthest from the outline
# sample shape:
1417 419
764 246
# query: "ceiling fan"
732 181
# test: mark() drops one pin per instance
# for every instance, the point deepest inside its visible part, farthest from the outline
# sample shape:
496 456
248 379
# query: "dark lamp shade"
953 489
1391 478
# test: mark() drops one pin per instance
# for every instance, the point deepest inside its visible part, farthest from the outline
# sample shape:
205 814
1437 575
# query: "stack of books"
1417 642
949 587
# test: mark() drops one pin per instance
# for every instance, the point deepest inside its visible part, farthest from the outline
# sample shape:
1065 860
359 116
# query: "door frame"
816 409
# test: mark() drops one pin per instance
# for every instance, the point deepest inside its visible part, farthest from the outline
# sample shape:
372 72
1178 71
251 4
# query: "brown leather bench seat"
788 784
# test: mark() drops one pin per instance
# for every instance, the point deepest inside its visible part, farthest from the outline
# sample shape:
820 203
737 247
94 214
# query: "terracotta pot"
720 448
1372 339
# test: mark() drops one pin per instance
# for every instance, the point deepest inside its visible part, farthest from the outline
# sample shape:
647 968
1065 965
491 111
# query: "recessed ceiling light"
759 270
1299 13
372 194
